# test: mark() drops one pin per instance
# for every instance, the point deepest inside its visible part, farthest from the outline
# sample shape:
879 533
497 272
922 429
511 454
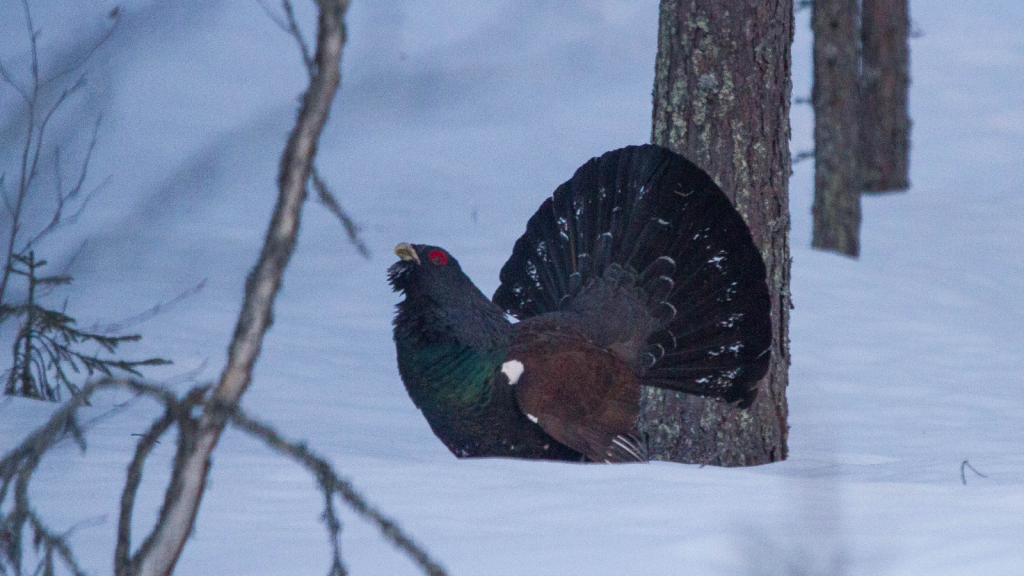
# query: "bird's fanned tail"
646 216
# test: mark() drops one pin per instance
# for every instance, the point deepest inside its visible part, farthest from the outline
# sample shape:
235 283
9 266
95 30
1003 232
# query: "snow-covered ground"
454 121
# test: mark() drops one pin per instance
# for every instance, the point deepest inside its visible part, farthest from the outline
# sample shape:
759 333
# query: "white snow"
455 120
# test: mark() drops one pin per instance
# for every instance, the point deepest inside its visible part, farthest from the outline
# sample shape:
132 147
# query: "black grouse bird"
636 272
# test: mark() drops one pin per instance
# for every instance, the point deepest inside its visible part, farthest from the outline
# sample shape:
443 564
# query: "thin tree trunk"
836 116
158 554
721 98
885 121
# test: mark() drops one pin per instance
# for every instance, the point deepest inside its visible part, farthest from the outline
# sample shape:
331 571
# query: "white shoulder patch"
533 419
513 369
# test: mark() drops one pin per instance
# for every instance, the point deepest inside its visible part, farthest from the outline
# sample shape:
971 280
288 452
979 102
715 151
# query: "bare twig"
963 476
145 315
334 533
7 77
324 194
332 204
330 481
131 486
178 515
293 29
38 119
83 57
274 17
51 543
18 466
60 219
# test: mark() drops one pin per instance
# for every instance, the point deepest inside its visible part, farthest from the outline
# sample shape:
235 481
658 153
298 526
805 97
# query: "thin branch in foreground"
53 543
333 523
330 480
802 155
18 466
177 517
115 16
293 29
69 203
273 17
148 314
332 204
290 26
122 550
326 197
324 194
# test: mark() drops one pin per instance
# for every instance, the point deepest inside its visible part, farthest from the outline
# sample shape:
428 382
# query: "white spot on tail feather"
513 369
532 418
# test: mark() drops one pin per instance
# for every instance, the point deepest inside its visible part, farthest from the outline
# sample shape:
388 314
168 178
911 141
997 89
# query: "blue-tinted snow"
454 121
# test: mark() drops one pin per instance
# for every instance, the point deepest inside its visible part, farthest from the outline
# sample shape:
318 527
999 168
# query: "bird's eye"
438 257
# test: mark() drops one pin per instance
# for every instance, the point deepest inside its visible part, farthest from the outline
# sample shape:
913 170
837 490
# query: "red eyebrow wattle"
438 257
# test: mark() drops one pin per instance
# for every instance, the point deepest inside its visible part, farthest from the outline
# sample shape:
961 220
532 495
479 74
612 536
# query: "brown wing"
584 396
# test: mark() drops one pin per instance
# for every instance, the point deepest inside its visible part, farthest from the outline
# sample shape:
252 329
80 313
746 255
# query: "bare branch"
56 428
803 155
156 310
34 143
293 29
334 532
7 77
75 190
3 192
131 486
332 204
329 480
35 55
178 515
274 17
33 170
17 467
114 15
327 198
55 542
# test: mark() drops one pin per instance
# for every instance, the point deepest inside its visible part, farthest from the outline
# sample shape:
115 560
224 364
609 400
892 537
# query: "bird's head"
441 299
426 270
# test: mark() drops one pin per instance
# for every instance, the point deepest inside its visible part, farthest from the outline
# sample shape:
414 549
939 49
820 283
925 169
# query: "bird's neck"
448 354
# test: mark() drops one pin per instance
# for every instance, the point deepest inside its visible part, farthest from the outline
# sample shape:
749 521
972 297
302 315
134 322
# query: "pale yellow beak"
407 252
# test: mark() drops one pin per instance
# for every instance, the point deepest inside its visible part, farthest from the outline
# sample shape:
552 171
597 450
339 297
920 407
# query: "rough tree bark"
836 119
885 79
721 98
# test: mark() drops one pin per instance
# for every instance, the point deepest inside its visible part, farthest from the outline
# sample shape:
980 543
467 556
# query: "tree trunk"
721 98
885 122
836 115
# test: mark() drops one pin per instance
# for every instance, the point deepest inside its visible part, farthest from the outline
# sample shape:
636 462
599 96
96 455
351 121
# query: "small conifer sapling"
46 355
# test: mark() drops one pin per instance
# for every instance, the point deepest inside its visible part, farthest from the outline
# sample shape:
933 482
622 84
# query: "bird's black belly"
496 429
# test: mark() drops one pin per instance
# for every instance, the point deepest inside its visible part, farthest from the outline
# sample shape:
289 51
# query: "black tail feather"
646 215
